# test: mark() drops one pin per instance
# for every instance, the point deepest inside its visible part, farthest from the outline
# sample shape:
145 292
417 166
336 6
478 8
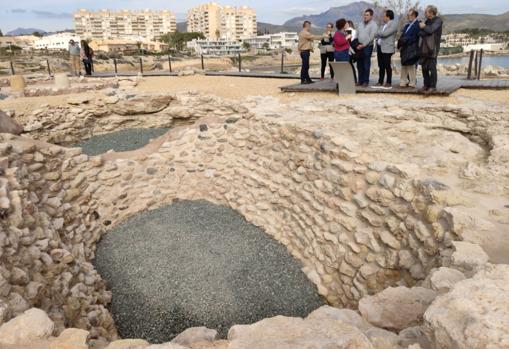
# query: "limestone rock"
195 334
474 314
32 325
468 256
8 125
128 344
166 346
140 105
295 333
348 316
71 338
396 307
445 278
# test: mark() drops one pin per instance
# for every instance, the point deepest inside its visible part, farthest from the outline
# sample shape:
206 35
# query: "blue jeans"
304 71
364 64
341 56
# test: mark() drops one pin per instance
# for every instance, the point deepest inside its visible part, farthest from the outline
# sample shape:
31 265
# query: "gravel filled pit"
124 140
194 263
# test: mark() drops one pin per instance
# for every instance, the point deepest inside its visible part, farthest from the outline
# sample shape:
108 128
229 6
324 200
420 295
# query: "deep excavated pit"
357 218
194 264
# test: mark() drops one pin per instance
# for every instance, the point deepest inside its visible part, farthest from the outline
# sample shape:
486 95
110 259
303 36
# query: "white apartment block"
124 24
218 22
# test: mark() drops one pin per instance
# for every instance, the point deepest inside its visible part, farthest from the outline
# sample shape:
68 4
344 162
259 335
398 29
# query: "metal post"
470 62
141 66
202 63
476 65
49 70
169 62
282 62
12 69
115 64
480 65
240 63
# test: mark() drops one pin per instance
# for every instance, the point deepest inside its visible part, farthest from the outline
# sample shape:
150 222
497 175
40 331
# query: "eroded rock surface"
474 314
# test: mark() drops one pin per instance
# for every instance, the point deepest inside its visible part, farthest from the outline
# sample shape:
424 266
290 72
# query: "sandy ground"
239 88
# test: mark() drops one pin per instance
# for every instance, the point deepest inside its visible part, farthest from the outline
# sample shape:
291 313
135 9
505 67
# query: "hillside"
351 11
24 31
464 21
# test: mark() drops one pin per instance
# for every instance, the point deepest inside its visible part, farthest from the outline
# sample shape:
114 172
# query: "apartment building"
273 41
218 22
124 24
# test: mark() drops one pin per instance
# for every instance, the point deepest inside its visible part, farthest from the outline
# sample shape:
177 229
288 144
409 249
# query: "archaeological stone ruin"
395 211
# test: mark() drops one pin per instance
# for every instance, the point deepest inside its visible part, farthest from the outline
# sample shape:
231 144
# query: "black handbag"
410 54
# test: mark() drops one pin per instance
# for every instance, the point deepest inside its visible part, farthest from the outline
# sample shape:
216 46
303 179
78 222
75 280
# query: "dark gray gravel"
124 140
194 263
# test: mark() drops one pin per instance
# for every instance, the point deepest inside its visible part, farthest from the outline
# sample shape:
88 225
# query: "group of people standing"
78 55
418 43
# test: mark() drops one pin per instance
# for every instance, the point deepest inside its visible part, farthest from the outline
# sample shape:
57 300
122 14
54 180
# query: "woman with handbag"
327 50
86 57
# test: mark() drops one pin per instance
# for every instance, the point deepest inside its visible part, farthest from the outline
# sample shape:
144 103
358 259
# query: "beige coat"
306 40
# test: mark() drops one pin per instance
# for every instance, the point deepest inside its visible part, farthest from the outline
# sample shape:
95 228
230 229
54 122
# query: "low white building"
284 40
216 47
58 41
274 41
258 42
486 47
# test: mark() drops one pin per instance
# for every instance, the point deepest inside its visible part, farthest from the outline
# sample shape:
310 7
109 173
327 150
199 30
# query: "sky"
51 15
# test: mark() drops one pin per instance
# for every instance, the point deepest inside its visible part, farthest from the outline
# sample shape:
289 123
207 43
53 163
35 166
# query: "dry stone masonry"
386 208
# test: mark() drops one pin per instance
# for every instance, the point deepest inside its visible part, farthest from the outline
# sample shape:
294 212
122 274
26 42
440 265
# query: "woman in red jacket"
340 42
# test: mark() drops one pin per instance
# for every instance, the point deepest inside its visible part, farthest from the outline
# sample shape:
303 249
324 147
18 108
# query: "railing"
18 64
476 61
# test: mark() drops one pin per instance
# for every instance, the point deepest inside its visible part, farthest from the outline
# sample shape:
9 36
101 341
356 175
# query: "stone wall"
48 233
357 224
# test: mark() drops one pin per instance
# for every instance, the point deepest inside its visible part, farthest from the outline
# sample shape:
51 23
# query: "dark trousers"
429 72
329 56
88 66
353 69
384 66
304 71
364 64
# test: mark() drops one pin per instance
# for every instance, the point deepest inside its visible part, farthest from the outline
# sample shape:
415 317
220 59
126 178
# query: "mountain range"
24 31
452 22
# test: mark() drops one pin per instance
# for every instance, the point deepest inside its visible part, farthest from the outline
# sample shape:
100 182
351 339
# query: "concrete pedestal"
17 83
62 81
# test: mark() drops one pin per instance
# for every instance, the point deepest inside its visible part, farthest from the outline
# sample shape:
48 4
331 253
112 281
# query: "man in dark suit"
409 46
430 33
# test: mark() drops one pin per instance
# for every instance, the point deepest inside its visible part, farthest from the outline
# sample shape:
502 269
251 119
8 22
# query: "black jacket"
431 36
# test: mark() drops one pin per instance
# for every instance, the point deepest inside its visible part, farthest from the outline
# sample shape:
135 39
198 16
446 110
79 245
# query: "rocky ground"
396 208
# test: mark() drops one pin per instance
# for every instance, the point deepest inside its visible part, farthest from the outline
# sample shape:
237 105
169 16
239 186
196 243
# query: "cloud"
18 10
299 10
49 14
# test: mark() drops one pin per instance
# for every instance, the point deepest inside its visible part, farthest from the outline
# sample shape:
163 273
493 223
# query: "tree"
266 46
246 46
178 40
1 34
39 35
400 8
